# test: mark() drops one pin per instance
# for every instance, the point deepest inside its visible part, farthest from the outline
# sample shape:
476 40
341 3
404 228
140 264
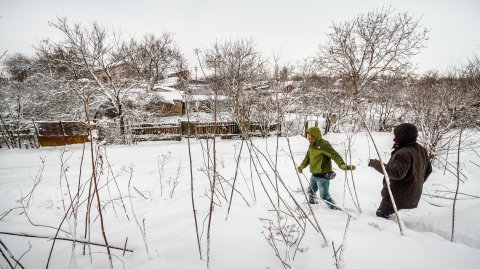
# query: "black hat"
405 133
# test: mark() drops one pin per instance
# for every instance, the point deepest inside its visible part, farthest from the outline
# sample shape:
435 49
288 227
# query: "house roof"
169 94
169 82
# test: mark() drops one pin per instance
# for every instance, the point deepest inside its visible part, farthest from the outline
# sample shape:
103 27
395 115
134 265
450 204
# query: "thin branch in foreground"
234 179
11 255
64 239
6 259
192 190
337 262
458 185
4 214
125 246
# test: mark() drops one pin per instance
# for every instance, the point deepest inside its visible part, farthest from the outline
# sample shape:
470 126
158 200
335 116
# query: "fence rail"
57 133
175 131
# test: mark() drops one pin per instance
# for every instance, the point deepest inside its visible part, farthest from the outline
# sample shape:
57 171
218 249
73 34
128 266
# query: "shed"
61 133
173 100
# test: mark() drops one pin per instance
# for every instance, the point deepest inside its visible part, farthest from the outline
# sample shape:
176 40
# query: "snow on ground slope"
238 241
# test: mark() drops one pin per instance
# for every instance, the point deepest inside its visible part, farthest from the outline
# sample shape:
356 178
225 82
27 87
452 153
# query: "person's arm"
305 162
333 154
398 167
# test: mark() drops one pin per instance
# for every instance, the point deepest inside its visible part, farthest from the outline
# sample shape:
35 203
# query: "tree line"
365 66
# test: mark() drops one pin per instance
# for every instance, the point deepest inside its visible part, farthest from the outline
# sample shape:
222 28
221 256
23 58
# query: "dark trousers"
384 210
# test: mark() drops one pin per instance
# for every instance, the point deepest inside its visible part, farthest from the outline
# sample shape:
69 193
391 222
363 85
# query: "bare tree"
95 48
442 105
388 103
18 66
238 67
152 58
380 42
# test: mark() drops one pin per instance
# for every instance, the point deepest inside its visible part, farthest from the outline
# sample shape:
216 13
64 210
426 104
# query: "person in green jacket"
319 156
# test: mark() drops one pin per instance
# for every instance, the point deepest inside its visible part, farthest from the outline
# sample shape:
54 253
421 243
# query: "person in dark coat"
408 168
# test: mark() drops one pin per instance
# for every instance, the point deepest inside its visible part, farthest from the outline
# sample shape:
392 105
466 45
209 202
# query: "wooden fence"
175 131
21 137
43 133
59 133
154 131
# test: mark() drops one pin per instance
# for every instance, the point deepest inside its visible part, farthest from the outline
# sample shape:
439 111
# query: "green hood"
315 133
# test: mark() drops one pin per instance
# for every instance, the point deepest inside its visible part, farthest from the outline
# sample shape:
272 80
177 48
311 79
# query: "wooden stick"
65 239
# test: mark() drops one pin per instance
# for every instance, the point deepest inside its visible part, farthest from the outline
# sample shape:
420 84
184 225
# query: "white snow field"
239 242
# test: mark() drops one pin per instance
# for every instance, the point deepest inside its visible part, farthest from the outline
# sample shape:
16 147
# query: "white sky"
293 29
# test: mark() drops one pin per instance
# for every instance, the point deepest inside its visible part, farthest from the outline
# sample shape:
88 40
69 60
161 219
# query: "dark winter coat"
408 168
320 154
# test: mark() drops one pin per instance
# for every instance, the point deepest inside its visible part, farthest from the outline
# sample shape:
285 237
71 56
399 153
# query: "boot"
331 204
312 200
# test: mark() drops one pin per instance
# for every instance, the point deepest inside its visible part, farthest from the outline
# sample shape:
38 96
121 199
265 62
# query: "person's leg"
384 210
324 188
312 189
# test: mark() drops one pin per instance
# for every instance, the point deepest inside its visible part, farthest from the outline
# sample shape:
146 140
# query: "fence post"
63 132
37 144
6 132
18 135
5 139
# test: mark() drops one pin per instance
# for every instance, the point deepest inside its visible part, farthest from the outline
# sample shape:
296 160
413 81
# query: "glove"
375 164
347 167
300 169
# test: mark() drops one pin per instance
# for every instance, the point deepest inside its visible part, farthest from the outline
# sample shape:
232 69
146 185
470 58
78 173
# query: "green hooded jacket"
320 154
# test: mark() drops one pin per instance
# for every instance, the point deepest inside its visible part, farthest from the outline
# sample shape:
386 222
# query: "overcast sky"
294 29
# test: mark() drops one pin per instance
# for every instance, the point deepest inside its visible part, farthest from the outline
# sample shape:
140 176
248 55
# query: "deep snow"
236 242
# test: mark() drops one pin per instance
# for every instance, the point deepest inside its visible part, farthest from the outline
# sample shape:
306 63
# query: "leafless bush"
284 236
442 105
140 224
38 178
162 160
174 181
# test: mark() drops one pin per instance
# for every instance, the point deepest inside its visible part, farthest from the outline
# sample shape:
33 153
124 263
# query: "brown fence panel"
156 131
61 133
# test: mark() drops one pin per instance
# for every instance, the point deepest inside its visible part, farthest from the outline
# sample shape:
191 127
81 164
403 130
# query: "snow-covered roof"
169 82
207 97
169 94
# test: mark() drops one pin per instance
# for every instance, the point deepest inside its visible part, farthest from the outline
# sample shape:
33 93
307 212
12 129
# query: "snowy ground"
239 241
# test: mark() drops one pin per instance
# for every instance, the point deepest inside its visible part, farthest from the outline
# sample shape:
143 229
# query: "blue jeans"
322 184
